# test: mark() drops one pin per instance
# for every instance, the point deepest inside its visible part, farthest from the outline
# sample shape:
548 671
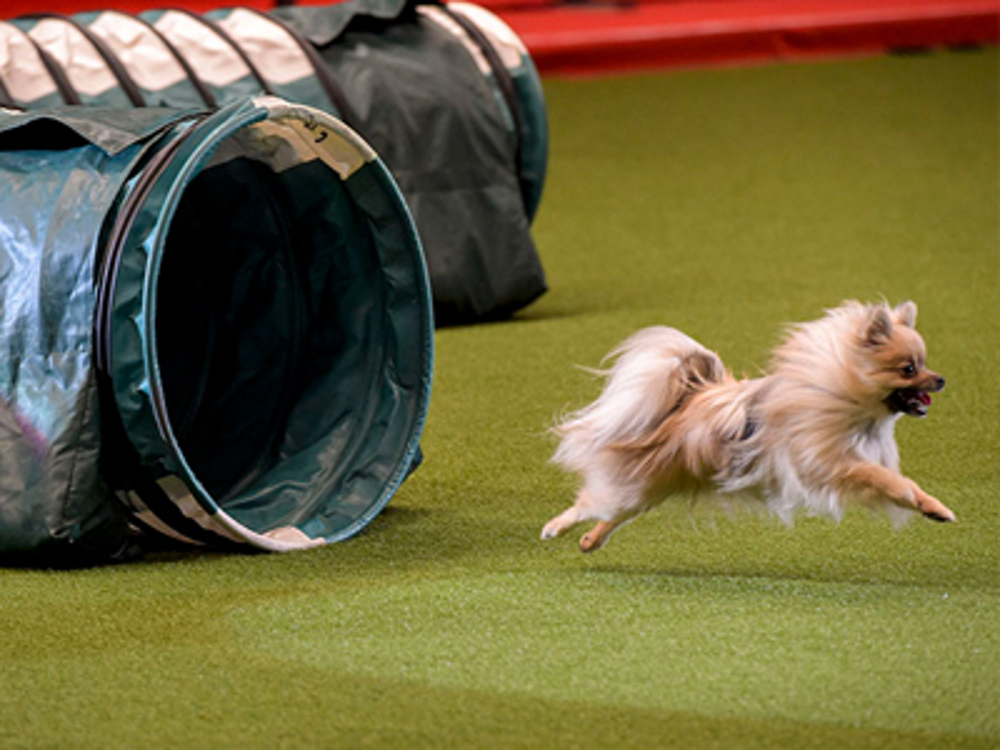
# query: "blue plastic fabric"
59 176
223 321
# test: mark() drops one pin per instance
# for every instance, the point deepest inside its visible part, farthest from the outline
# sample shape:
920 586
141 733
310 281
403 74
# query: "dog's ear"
879 326
700 368
906 314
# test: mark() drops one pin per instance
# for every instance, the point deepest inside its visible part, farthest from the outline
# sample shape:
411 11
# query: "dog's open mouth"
909 401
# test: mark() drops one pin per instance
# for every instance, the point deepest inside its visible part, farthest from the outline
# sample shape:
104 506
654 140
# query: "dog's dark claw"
940 517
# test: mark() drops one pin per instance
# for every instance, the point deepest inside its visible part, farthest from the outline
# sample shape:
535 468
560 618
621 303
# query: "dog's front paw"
935 510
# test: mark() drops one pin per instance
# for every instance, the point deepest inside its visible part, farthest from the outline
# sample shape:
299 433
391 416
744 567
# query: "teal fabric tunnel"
250 331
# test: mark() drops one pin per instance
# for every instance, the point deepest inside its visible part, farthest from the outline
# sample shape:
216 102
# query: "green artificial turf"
725 203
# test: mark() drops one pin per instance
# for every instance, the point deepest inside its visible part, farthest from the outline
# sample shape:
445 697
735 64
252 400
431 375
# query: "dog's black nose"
939 383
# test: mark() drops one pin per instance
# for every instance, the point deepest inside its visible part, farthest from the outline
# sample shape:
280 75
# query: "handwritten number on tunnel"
321 134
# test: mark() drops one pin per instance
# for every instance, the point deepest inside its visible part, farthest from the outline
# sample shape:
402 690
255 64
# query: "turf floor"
723 202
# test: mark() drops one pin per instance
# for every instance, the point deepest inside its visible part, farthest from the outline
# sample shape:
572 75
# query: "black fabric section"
500 74
322 25
423 104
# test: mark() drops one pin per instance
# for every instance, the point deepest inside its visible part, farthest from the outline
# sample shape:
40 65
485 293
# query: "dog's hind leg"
598 536
610 505
574 514
624 502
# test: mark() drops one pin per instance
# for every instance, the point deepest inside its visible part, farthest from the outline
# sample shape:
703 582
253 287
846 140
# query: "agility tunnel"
222 319
446 94
224 243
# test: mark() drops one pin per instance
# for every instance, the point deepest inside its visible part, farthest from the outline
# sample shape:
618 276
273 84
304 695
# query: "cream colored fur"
815 434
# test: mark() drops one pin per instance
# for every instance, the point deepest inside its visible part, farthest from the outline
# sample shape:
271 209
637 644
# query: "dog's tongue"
924 397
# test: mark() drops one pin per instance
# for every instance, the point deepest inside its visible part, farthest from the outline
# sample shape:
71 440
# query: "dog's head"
896 357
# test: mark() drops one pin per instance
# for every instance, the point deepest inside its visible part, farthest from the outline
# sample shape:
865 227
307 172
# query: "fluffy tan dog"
815 433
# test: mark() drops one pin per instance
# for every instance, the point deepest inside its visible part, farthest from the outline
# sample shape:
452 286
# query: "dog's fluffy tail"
652 373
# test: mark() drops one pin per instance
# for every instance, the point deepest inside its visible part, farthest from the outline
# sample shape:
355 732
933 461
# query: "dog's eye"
909 370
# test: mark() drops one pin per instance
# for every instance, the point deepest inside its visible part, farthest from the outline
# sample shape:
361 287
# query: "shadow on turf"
533 314
664 576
